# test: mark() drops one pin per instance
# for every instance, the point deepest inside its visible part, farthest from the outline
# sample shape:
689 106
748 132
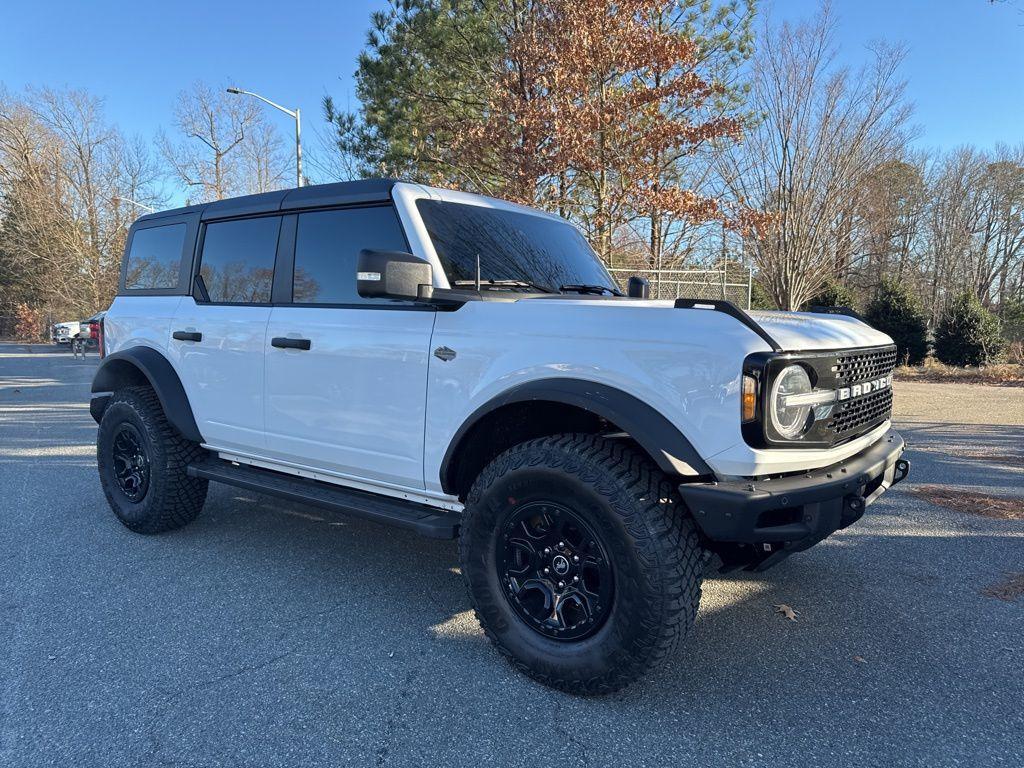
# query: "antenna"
478 272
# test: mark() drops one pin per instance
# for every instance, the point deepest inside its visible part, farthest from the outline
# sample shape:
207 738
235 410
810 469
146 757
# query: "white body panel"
686 363
354 402
139 321
223 374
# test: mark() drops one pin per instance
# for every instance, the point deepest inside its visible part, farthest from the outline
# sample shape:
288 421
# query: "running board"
428 521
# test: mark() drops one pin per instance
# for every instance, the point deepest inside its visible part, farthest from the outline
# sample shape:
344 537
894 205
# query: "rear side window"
154 261
237 263
327 244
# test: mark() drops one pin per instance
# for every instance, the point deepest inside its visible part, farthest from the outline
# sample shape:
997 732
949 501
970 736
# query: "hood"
800 331
794 331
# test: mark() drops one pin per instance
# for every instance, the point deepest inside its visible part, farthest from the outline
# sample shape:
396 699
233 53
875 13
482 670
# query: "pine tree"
832 294
968 334
895 311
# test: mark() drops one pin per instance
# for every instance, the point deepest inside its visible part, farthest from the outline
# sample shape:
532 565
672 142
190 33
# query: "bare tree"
265 162
62 170
226 148
823 130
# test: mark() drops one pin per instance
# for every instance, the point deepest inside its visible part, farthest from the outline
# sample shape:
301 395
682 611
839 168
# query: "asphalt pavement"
272 634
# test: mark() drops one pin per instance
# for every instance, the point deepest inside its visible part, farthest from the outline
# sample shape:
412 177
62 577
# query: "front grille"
870 364
854 417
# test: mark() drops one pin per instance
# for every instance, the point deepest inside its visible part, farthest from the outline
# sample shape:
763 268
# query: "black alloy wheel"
556 572
130 462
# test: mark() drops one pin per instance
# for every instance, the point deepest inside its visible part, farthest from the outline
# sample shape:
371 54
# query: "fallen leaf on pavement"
786 611
1007 590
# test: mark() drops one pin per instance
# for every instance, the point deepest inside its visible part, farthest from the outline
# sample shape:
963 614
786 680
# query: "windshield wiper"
503 284
594 289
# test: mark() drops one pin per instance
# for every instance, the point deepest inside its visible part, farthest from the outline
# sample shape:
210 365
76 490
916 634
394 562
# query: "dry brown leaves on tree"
971 502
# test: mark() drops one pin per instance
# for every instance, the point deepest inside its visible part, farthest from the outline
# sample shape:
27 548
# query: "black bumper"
759 522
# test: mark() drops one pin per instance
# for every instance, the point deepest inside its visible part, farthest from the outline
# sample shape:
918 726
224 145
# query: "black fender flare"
659 437
116 370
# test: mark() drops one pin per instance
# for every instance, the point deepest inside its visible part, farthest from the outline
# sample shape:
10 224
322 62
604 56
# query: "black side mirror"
391 275
638 288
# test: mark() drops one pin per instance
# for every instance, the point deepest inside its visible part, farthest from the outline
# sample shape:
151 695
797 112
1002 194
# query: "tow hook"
902 470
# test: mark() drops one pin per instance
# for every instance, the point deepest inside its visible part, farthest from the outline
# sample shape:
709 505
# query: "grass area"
1000 374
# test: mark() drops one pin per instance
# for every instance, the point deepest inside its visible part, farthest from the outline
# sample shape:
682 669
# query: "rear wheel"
581 562
143 464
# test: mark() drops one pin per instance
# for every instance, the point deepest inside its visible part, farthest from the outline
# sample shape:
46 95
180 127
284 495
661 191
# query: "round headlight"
790 421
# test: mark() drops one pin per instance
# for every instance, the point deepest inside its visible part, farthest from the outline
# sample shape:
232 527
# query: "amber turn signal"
748 398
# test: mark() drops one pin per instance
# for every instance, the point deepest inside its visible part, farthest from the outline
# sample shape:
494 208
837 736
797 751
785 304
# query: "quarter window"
327 245
154 260
238 260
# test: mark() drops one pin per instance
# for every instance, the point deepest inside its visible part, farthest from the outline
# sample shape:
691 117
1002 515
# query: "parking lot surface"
271 634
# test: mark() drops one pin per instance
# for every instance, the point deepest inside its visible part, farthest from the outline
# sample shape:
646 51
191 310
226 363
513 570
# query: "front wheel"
581 562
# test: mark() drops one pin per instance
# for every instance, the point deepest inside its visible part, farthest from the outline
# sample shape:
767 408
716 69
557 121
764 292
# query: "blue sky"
965 65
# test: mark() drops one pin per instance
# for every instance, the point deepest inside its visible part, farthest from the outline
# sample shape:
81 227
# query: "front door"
346 377
219 345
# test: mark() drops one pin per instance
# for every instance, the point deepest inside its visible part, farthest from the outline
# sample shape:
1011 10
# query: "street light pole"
294 114
149 208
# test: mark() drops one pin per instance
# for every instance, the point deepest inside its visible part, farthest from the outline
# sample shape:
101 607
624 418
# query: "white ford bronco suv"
465 367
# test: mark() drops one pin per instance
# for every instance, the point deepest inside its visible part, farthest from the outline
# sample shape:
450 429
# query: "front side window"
511 246
154 259
237 263
327 245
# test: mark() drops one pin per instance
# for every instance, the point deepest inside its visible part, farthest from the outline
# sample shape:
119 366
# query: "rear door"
219 344
346 384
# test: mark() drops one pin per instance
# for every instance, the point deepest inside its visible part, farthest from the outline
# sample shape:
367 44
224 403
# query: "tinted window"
154 260
327 244
510 245
238 259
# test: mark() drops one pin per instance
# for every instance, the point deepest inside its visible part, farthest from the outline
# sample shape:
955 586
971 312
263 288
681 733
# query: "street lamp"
292 113
149 208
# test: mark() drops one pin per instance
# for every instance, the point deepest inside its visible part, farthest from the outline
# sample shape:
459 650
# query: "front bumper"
757 523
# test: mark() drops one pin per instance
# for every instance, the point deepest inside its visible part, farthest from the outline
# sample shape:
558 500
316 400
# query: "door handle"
187 336
283 342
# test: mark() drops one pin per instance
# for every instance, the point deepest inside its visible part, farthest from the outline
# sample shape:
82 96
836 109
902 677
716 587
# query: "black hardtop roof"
316 196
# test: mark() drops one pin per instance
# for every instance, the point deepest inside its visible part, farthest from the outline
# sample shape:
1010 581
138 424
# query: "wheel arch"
549 406
145 366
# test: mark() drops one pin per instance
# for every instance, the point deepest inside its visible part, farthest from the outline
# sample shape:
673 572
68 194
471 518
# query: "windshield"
534 250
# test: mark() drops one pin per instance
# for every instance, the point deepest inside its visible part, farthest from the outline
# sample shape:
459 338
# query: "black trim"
728 308
361 192
161 376
284 342
428 521
655 433
284 262
787 514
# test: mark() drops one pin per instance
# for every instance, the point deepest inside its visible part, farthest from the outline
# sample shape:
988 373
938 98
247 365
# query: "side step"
428 521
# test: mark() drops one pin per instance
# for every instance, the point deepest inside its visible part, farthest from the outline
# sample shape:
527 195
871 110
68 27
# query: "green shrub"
895 311
1012 313
832 294
760 298
968 334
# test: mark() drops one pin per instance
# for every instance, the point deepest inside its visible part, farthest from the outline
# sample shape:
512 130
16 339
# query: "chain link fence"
732 282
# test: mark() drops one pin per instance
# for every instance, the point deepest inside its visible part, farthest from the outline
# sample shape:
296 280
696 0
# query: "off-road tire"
657 558
172 499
